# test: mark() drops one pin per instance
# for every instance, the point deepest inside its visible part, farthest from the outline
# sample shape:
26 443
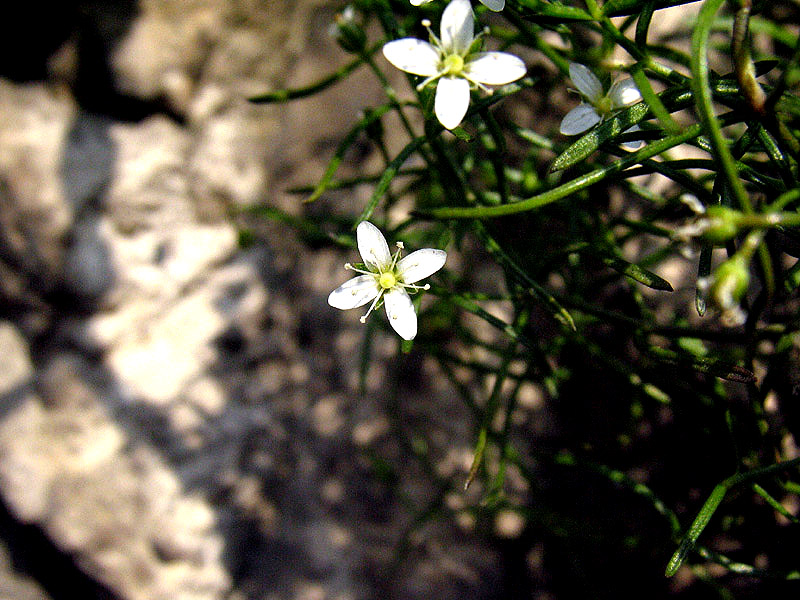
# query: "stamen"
428 80
350 267
376 262
414 288
477 84
371 307
426 23
396 255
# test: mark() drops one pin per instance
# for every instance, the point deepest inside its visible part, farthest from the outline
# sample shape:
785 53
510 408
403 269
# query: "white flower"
495 5
597 105
448 59
386 279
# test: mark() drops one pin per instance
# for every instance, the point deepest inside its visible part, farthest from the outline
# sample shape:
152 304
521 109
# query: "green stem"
318 86
567 189
703 102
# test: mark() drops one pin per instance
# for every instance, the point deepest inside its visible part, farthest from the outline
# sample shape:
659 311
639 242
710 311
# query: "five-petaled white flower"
597 105
385 278
495 5
449 60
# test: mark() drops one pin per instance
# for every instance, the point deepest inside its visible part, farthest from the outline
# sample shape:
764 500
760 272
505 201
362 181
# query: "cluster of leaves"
693 393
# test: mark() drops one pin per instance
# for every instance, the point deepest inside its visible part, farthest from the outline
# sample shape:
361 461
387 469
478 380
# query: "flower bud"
348 32
721 224
731 280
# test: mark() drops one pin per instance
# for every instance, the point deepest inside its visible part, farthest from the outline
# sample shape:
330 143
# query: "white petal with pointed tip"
452 101
495 5
372 245
624 93
587 82
354 292
419 2
400 311
413 56
495 68
420 264
579 119
458 27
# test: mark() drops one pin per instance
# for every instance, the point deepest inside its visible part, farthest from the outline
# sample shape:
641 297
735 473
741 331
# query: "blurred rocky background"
179 413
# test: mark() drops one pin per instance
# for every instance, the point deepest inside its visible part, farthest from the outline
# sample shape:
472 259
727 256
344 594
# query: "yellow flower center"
387 280
453 64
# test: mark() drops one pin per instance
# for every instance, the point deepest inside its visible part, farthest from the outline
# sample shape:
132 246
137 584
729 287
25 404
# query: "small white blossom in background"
495 5
387 279
597 105
448 61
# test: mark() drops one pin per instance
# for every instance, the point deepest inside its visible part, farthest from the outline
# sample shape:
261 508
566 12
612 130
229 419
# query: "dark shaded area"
33 554
34 32
31 33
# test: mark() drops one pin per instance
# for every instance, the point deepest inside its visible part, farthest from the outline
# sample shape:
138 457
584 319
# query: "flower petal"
624 93
495 68
587 82
372 246
419 2
413 56
452 101
495 5
420 264
579 119
457 27
354 292
400 311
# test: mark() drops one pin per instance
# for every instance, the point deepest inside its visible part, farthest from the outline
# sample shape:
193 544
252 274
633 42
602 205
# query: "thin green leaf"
697 527
619 8
643 23
711 366
531 286
608 129
318 86
477 459
344 145
653 101
539 11
566 189
710 506
388 174
472 307
777 506
637 273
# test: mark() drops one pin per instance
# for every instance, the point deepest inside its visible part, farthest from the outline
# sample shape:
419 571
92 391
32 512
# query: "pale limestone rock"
108 499
35 216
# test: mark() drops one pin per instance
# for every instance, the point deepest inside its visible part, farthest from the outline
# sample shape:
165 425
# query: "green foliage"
662 385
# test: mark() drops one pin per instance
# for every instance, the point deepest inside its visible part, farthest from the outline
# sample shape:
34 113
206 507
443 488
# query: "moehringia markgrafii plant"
387 278
450 61
597 105
495 5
